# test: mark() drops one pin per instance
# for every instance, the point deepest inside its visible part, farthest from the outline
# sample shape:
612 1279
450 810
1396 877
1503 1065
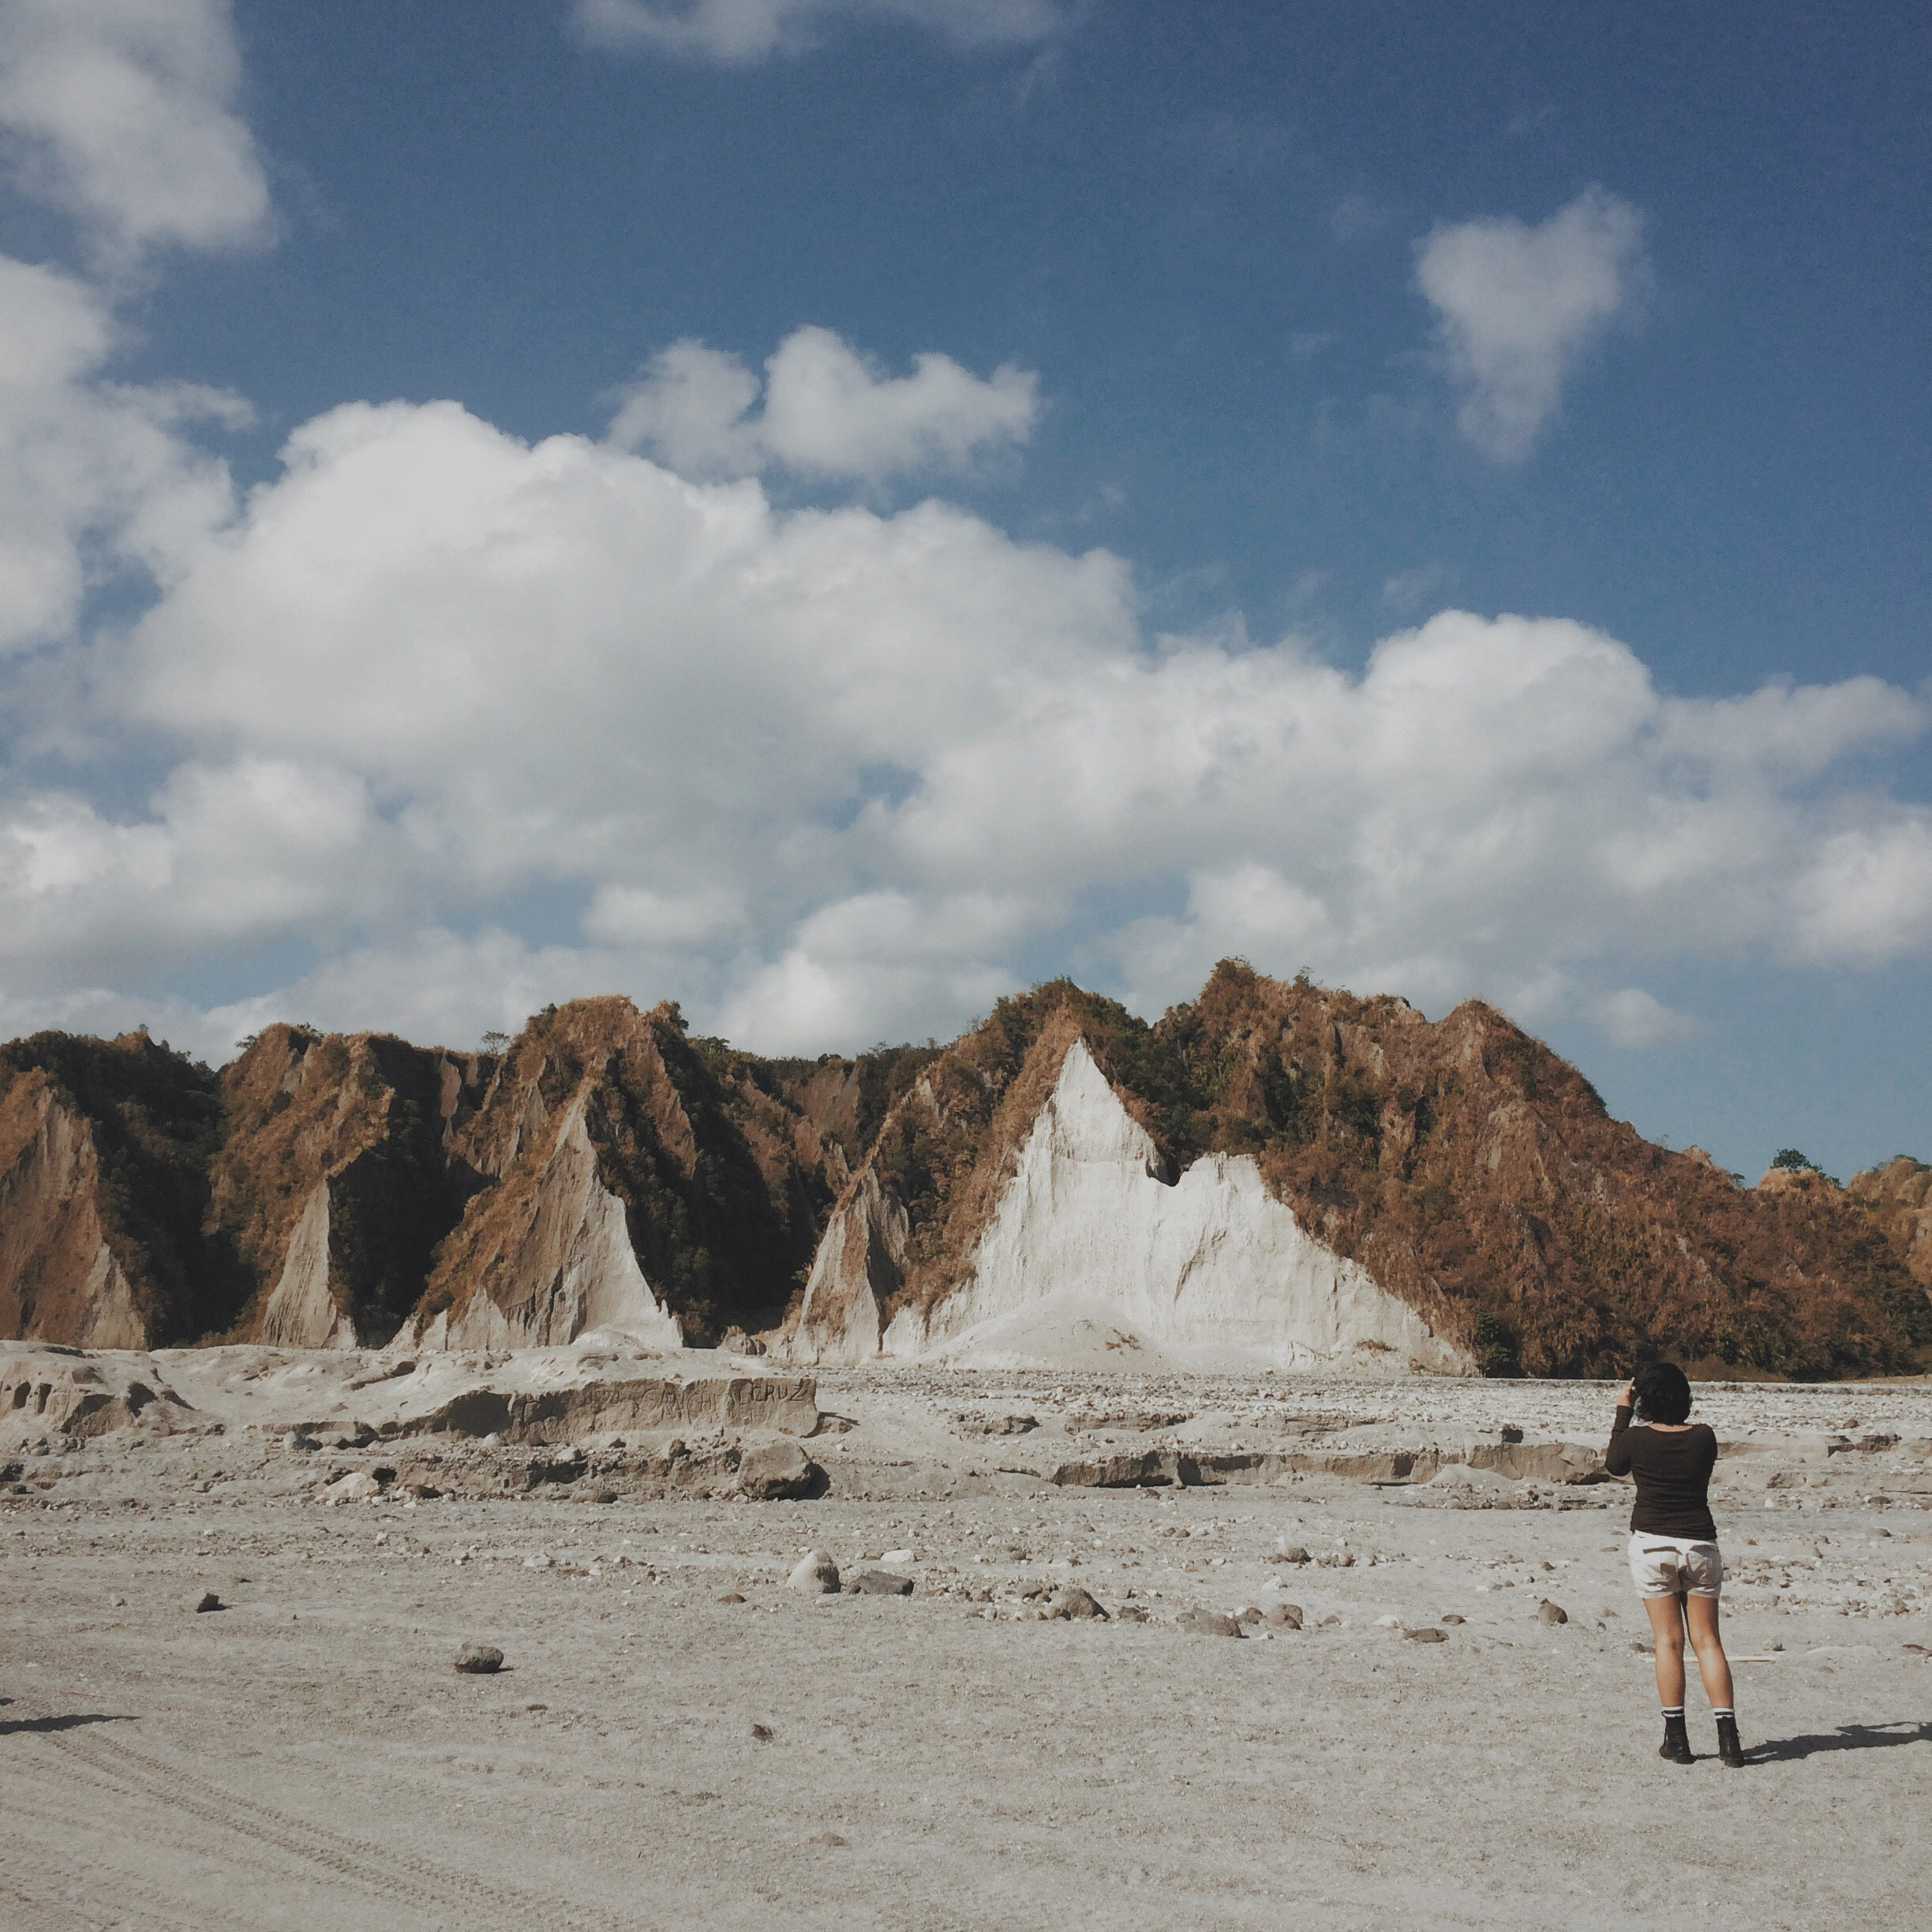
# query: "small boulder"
357 1486
762 1733
206 1600
731 1597
1283 1616
1209 1623
1251 1614
1294 1553
476 1660
779 1471
1454 1618
1077 1605
815 1573
1131 1613
880 1583
1428 1634
1548 1612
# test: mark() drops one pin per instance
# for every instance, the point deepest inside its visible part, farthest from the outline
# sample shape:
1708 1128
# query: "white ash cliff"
1088 1238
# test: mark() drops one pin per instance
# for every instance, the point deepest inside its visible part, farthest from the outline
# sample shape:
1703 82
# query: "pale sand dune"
307 1757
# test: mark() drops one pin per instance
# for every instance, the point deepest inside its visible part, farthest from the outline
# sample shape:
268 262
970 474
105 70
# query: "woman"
1673 1548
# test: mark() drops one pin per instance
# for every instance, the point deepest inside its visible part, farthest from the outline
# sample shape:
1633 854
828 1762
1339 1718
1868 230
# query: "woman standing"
1674 1558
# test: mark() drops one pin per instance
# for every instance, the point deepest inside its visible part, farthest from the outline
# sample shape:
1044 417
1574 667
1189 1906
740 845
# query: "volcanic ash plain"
1402 1734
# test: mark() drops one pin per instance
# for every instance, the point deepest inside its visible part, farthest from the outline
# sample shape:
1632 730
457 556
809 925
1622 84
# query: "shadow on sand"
9 1726
1847 1737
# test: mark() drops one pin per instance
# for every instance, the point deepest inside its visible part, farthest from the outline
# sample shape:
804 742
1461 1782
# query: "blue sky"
1437 497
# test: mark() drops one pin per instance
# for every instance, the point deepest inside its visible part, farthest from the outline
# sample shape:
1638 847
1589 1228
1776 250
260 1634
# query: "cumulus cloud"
752 30
830 775
89 469
1519 307
828 411
1638 1020
122 112
827 775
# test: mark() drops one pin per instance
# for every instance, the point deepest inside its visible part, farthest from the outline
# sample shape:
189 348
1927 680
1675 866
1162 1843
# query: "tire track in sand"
403 1878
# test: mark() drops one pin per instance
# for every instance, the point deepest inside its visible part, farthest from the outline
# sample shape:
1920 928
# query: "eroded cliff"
1459 1169
104 1148
1273 1173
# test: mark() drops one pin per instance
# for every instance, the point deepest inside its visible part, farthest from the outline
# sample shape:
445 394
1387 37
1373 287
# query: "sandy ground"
307 1757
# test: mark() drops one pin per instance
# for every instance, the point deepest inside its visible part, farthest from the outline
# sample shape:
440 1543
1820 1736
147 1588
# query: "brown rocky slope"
339 1171
641 1180
1898 1195
104 1152
608 1170
1465 1167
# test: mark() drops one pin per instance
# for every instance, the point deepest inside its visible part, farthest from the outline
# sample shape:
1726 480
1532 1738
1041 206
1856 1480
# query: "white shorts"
1663 1566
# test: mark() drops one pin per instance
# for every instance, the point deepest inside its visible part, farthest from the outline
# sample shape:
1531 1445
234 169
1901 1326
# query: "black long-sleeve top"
1673 1470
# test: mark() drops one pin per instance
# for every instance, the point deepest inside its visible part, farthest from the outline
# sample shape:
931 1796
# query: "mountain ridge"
1437 1194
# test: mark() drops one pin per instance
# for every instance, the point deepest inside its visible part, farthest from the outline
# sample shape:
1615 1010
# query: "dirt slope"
1463 1157
339 1173
104 1146
1465 1167
1898 1197
635 1175
610 1170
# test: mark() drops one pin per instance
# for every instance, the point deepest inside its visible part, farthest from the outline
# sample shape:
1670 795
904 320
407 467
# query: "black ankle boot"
1675 1748
1730 1752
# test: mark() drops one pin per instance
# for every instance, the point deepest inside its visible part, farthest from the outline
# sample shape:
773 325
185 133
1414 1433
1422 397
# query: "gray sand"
307 1756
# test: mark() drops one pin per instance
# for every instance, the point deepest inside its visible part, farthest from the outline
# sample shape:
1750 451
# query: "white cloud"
751 30
828 411
121 113
86 466
1638 1020
829 776
1865 893
1519 307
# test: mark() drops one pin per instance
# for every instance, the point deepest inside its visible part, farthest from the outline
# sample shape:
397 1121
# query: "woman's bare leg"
1667 1626
1714 1666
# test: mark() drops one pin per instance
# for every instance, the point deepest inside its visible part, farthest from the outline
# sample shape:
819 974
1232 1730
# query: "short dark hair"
1663 1392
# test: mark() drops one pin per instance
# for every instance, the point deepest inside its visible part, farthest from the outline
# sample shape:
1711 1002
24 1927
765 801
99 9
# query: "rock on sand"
779 1472
815 1573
